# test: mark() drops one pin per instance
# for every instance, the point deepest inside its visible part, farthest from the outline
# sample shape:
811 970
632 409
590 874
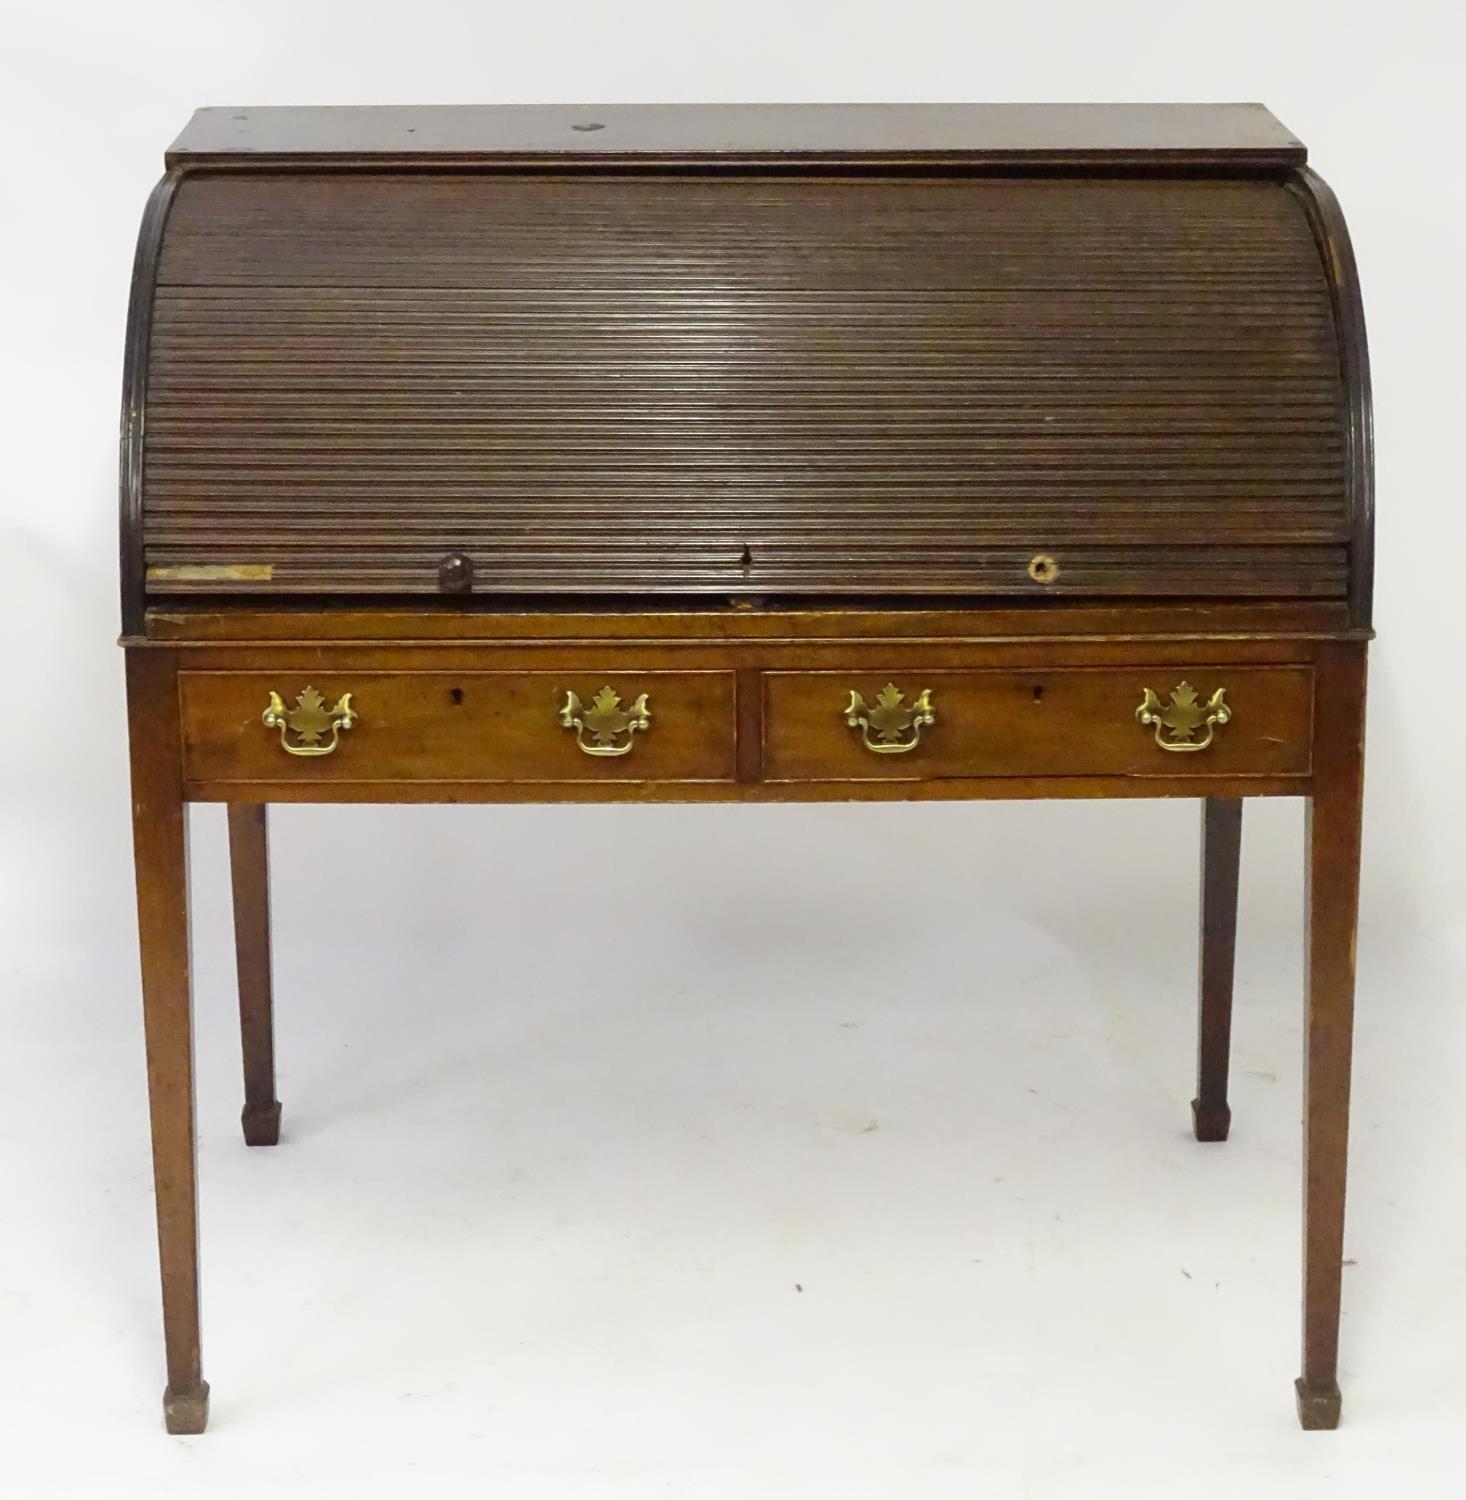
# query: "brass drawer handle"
309 722
891 720
1177 723
605 721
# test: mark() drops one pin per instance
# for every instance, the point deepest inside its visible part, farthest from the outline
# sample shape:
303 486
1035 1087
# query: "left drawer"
547 726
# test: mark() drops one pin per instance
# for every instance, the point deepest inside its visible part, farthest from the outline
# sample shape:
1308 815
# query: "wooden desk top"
978 134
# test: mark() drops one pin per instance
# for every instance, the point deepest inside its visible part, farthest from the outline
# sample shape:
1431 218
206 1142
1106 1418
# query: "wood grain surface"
530 134
620 386
460 726
1042 722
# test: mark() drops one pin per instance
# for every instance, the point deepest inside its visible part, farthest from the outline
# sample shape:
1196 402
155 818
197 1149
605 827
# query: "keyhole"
456 694
1038 695
746 559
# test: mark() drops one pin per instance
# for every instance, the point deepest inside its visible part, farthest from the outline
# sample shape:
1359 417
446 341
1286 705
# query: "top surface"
1020 134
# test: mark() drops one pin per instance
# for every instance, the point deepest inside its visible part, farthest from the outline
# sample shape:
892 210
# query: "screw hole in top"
1043 568
589 125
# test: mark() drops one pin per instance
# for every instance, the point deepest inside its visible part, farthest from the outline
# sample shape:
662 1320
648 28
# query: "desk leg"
249 868
1333 902
1221 845
160 847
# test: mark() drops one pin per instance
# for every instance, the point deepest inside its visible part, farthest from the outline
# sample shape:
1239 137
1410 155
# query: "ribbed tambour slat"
849 385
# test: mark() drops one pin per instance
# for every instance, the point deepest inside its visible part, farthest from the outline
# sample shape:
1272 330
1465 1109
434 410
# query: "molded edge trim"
135 398
1235 162
1331 233
659 623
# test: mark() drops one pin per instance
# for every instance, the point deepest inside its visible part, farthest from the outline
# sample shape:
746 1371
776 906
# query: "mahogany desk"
741 454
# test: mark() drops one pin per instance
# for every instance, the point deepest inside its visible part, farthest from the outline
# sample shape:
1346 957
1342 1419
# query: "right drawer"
906 724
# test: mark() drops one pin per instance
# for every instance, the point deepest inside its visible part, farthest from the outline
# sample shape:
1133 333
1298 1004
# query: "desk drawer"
461 726
908 724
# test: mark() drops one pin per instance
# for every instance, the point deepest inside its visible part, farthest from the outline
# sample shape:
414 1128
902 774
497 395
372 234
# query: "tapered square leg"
160 845
1221 848
249 865
1334 817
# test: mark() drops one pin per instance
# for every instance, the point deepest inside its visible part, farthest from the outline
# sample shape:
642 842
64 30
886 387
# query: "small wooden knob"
455 573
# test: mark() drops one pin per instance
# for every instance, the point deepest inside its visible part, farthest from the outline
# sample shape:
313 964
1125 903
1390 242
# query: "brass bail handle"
1185 724
605 728
889 726
303 728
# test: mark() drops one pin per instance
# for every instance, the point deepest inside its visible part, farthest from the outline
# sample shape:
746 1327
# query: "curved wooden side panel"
1332 234
135 397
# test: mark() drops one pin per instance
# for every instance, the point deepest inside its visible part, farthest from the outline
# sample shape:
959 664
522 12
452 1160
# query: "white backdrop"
559 1147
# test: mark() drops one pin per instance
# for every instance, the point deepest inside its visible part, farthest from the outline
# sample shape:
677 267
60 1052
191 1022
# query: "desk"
744 454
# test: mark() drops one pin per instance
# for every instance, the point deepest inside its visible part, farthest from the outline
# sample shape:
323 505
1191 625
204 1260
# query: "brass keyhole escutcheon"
1042 568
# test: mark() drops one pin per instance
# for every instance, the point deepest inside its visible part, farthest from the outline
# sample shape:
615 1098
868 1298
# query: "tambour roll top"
790 353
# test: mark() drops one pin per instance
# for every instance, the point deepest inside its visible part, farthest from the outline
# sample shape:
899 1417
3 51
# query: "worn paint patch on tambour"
213 573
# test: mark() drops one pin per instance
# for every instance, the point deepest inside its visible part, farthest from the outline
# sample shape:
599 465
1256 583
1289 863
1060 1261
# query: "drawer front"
911 725
463 726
